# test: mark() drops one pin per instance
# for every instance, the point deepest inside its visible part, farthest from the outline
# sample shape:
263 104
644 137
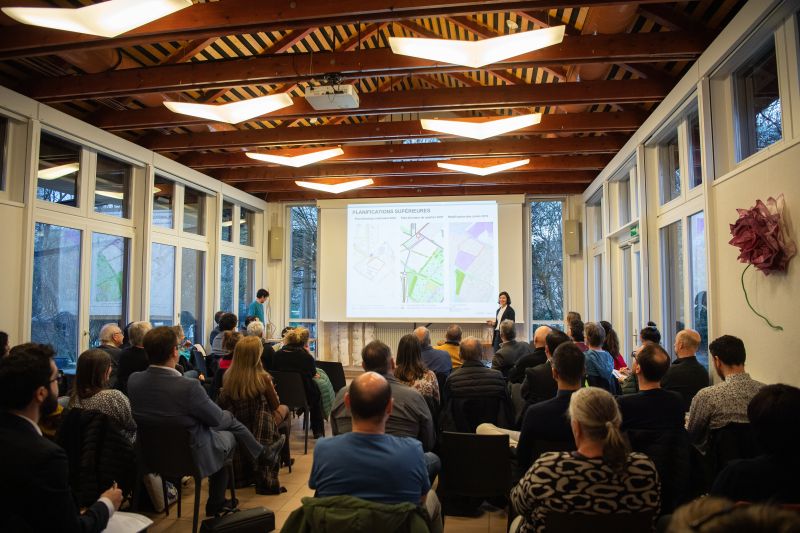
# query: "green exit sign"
634 231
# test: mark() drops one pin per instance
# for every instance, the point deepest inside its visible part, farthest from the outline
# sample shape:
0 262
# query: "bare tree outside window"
303 282
547 268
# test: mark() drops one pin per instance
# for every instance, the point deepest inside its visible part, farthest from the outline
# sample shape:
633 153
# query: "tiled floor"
296 484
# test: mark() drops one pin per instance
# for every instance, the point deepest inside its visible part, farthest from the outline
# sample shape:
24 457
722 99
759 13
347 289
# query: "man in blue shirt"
367 463
256 307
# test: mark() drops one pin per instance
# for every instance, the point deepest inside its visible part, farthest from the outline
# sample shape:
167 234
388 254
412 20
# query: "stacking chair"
335 372
292 393
164 448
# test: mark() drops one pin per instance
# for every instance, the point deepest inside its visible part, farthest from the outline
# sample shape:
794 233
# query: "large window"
669 169
57 177
698 281
111 187
56 290
695 153
162 285
758 103
246 218
247 291
192 290
163 198
227 221
193 211
109 284
303 274
672 280
228 264
547 268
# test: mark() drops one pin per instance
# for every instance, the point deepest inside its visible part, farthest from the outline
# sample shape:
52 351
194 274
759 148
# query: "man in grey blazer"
161 393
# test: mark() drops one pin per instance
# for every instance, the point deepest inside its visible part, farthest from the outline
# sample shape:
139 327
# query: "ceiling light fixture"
234 112
476 54
338 188
53 173
106 19
298 160
481 130
484 171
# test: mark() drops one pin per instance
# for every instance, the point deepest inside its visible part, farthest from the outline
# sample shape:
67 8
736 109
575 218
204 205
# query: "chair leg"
232 483
306 423
179 488
166 500
198 482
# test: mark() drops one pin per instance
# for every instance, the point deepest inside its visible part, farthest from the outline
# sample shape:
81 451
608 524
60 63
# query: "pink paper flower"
762 238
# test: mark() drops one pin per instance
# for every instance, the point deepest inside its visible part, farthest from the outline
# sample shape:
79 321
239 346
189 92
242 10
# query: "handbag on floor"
257 520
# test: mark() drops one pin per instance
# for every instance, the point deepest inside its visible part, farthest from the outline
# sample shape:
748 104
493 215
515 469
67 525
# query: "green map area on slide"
426 284
459 280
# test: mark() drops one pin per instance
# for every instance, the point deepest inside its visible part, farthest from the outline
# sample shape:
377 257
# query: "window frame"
528 286
313 342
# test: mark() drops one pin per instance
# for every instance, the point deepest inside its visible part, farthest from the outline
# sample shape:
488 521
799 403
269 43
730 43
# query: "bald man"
532 359
366 462
686 375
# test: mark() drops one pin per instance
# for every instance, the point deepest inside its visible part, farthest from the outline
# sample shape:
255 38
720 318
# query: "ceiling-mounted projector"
326 97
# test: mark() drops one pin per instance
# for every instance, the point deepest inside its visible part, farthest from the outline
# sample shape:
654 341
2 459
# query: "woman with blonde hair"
249 394
601 477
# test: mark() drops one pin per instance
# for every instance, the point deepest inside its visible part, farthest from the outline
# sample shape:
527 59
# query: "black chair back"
292 393
335 372
165 448
592 523
669 451
474 465
731 442
466 413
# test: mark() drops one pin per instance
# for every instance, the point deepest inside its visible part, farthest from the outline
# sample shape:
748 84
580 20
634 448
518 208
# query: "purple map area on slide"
479 228
464 260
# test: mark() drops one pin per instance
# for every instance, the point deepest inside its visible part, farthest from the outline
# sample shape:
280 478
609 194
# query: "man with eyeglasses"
110 342
35 493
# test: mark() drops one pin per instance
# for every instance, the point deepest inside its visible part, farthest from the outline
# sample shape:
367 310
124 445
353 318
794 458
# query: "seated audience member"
35 494
160 393
110 341
719 405
474 394
647 335
571 315
410 416
411 371
5 347
227 322
686 375
774 414
229 341
126 339
215 331
547 421
601 477
134 358
436 360
652 407
599 363
510 350
256 329
575 332
719 515
539 384
532 359
611 345
452 338
366 462
249 394
185 365
295 357
90 391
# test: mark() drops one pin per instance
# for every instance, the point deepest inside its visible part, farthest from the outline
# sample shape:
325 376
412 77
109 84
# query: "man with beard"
35 494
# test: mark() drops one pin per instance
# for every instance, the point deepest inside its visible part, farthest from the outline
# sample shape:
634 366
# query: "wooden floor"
296 483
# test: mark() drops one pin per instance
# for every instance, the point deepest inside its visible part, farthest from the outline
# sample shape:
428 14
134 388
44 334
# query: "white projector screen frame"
332 251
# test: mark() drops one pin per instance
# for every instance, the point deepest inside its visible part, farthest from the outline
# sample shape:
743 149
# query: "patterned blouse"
115 405
426 385
567 482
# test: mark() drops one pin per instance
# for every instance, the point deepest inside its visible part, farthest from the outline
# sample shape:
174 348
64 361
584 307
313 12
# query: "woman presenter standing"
504 312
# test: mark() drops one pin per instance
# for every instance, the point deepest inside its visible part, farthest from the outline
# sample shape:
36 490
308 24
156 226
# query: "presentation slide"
434 260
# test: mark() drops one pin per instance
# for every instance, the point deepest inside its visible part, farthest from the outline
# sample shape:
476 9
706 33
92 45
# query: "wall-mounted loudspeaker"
572 237
276 243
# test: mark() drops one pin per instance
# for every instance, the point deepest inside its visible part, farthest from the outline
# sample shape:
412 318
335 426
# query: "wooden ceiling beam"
361 35
427 100
368 192
605 144
235 17
294 68
555 163
665 15
520 178
379 131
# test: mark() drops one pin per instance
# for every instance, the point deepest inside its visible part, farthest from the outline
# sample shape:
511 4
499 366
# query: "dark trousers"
228 434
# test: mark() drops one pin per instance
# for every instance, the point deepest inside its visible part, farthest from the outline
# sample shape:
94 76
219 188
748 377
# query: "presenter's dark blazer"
35 494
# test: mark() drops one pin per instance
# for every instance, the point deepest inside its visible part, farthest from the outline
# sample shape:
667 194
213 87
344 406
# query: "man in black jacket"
510 350
539 384
686 376
35 493
535 358
134 358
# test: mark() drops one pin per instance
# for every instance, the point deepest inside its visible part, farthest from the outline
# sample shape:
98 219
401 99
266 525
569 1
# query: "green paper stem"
747 299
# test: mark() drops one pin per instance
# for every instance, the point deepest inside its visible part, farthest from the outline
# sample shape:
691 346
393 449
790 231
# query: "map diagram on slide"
474 262
422 259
